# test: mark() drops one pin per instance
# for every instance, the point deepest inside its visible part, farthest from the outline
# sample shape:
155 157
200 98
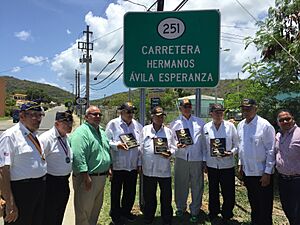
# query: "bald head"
93 116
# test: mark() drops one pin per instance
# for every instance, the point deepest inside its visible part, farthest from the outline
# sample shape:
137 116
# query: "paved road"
46 124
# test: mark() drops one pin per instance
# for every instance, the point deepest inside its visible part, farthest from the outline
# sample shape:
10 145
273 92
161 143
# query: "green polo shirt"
91 151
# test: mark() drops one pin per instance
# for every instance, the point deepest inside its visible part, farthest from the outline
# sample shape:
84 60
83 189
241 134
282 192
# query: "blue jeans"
290 198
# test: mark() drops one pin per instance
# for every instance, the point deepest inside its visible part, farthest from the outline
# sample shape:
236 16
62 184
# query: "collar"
184 118
25 131
290 130
154 131
123 122
253 121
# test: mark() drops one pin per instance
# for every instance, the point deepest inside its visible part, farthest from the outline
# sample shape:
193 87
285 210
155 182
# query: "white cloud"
68 31
16 69
34 59
44 81
23 35
236 24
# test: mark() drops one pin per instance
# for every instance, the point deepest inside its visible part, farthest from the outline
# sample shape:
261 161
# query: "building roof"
203 97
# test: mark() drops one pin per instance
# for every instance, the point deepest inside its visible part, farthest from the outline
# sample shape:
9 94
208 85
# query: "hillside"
224 87
14 85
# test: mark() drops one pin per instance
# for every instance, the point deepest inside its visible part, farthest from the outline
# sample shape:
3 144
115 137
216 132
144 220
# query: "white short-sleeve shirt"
56 154
18 152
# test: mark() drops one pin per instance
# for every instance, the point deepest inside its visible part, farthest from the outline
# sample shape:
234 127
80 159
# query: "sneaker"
130 217
194 219
179 213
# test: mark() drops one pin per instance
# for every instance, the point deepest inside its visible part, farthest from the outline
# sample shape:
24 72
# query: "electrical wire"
272 36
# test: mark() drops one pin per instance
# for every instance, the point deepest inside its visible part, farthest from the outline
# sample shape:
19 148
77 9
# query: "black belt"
99 174
58 177
290 177
43 178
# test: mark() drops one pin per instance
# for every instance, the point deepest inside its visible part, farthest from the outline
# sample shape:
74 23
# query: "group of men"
34 171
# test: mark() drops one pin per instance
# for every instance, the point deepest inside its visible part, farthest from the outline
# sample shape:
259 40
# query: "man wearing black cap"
189 160
22 173
59 166
123 134
221 144
157 145
256 161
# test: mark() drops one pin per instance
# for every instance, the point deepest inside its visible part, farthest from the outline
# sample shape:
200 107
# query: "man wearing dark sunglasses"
58 156
123 134
256 161
23 169
287 149
189 160
91 165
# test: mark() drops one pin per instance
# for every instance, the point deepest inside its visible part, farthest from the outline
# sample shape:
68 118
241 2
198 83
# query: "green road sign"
172 49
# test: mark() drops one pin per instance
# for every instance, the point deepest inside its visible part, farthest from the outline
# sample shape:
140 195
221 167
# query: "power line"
272 36
109 74
98 89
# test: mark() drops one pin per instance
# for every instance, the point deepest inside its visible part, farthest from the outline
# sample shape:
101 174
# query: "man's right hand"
122 146
11 211
180 145
87 182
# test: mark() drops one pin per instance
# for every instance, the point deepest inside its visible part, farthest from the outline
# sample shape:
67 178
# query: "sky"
39 38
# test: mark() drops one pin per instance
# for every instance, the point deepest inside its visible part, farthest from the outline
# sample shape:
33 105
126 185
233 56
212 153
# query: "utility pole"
87 58
76 89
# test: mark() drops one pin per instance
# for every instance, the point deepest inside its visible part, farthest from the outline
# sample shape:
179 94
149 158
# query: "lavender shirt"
287 149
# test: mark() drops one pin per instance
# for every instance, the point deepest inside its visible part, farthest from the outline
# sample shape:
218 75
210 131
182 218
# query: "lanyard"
63 145
37 145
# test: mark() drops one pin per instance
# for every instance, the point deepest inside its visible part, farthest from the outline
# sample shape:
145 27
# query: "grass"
241 210
4 118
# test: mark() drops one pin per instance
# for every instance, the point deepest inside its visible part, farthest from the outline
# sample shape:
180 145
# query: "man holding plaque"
157 145
188 131
221 144
257 160
123 133
59 166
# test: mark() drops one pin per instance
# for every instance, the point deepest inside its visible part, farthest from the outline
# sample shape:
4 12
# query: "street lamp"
109 62
216 90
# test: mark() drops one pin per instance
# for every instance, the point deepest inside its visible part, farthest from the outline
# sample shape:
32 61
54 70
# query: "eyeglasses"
95 114
34 114
287 119
129 112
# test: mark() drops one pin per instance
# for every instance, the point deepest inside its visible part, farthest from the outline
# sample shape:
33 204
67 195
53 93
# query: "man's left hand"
265 180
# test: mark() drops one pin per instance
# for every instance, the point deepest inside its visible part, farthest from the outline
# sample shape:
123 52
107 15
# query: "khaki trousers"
88 204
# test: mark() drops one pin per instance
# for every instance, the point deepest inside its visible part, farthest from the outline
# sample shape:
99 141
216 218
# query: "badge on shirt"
129 140
184 136
217 147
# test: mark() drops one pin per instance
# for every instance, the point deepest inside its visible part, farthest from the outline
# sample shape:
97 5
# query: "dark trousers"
29 197
225 179
149 192
126 180
57 196
289 191
260 199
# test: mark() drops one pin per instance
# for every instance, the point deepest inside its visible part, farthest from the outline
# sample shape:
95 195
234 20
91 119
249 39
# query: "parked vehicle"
15 116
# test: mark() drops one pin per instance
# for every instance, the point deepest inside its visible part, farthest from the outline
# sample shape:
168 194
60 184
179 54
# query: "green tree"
278 40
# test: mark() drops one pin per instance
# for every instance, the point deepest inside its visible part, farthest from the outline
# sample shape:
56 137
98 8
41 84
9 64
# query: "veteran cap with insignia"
248 102
31 106
158 111
216 107
127 106
185 101
64 116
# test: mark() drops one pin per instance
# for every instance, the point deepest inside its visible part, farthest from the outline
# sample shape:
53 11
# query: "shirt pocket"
24 148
